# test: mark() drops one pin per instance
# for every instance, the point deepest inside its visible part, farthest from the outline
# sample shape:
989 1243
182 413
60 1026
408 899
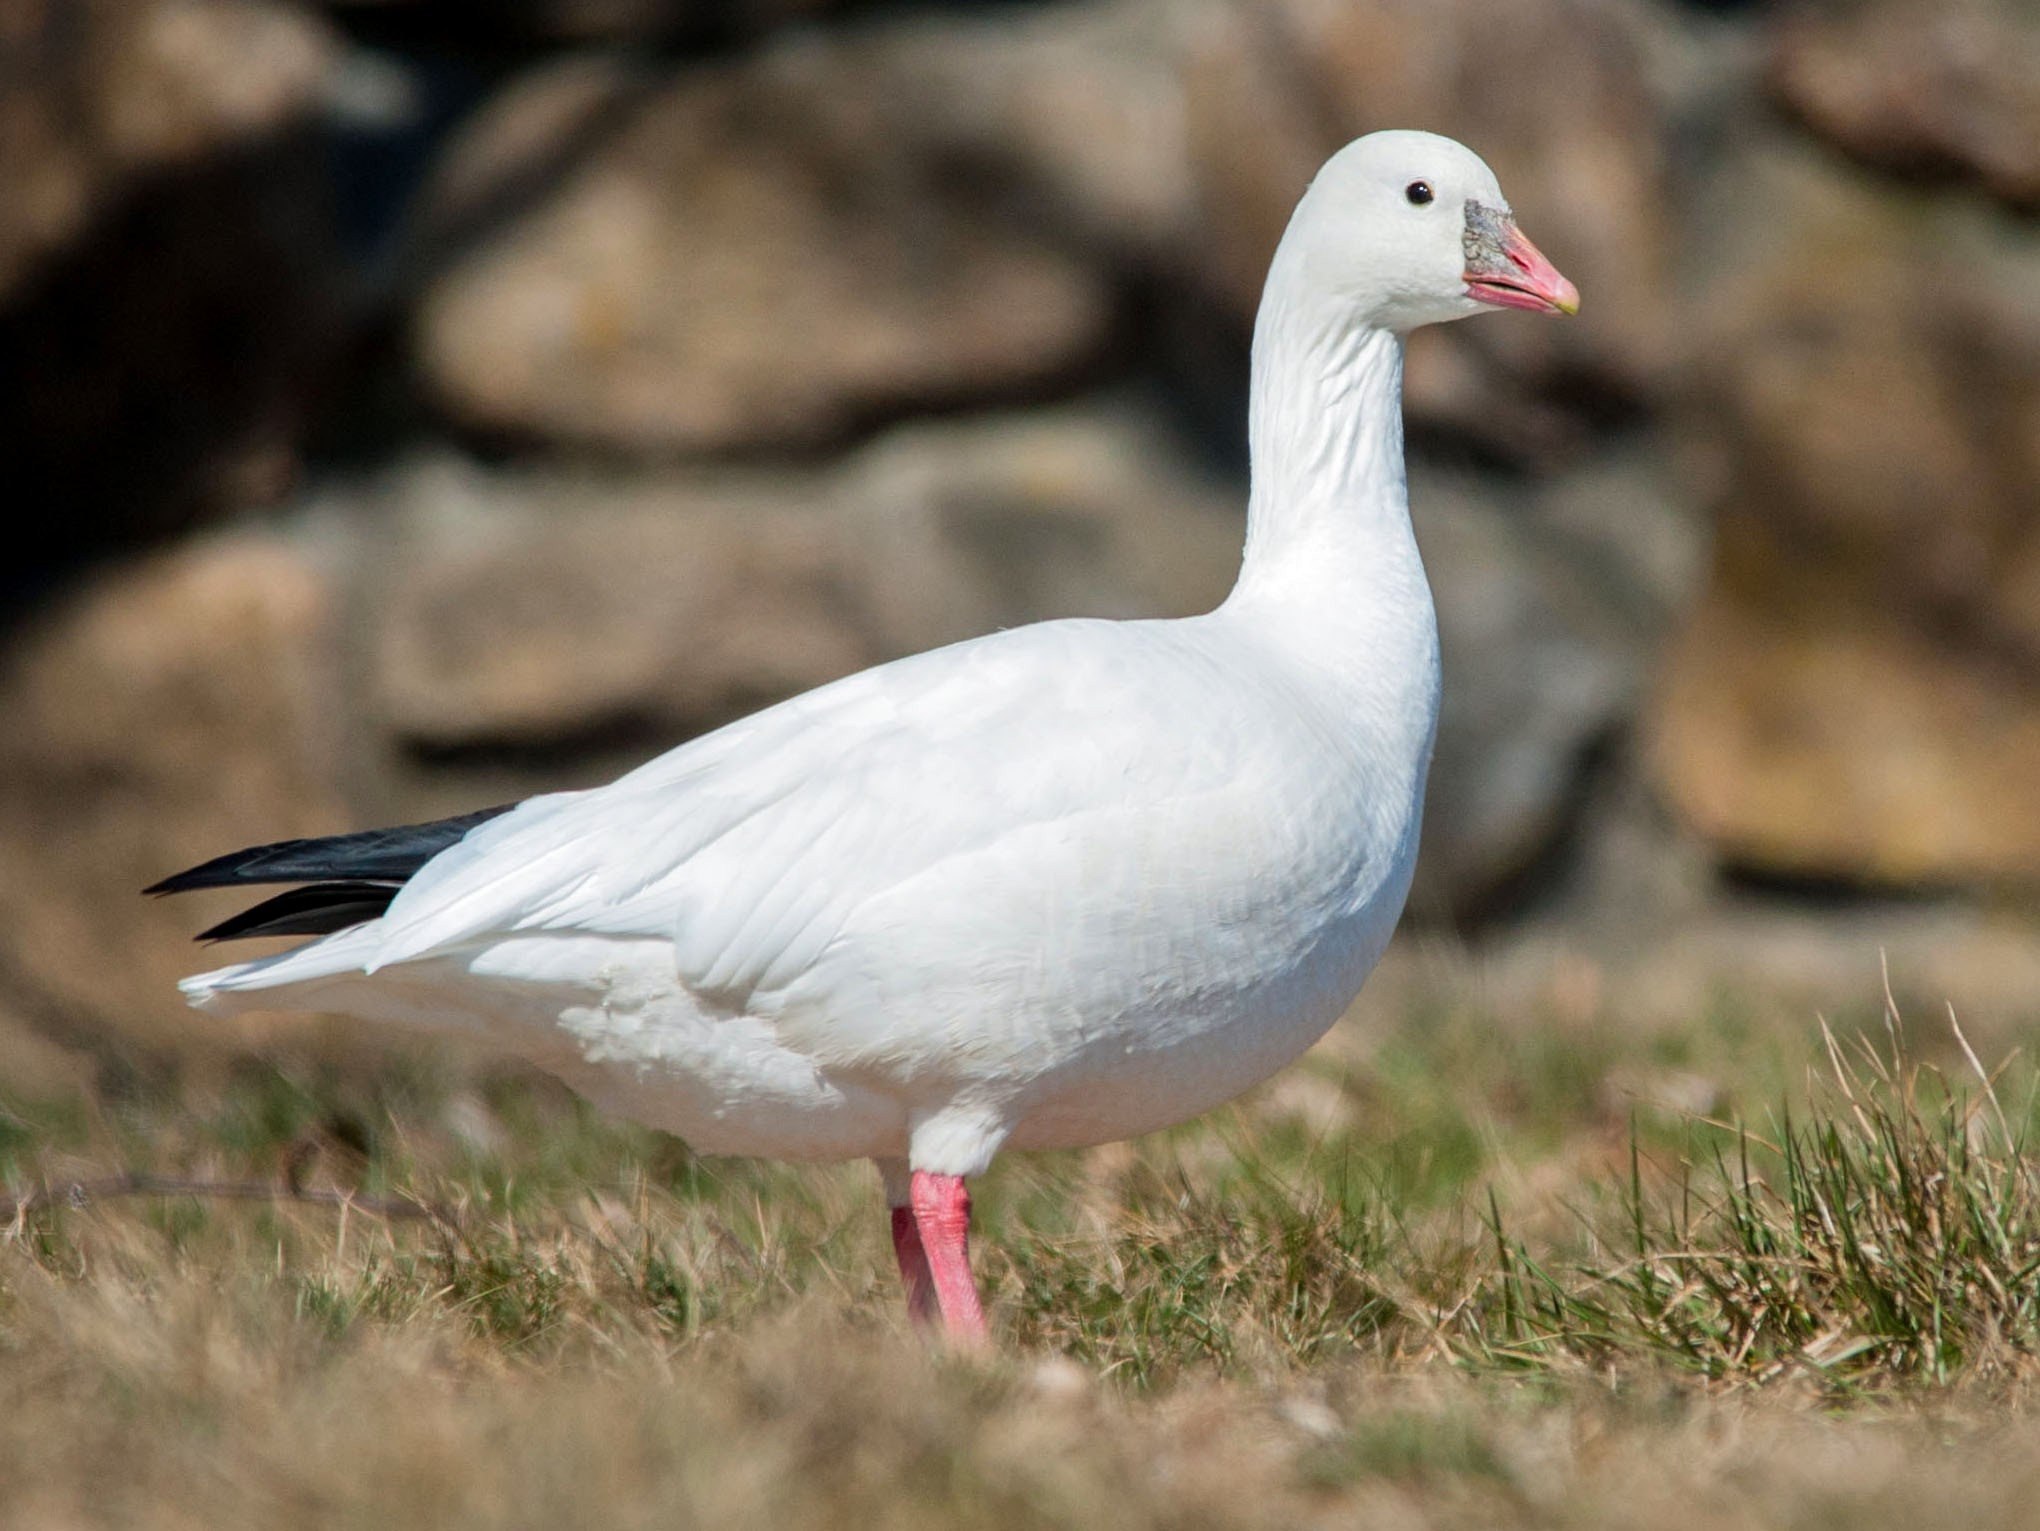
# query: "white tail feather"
248 985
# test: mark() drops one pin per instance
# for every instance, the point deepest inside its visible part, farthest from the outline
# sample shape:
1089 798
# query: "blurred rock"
1858 695
964 527
1072 115
1948 88
164 712
550 609
101 92
166 276
564 613
1542 665
1858 752
735 259
1279 86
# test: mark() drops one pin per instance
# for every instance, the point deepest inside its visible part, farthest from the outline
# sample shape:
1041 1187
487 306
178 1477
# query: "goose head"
1404 229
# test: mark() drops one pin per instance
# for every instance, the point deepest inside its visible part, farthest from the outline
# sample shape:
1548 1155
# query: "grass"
1479 1270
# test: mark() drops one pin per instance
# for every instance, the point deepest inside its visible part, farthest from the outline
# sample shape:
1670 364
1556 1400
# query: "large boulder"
162 712
552 611
1951 88
735 258
166 274
1857 695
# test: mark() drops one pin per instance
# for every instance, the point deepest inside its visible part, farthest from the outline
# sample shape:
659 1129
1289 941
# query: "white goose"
1047 888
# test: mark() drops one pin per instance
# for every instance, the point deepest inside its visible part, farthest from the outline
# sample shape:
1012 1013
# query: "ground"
1475 1262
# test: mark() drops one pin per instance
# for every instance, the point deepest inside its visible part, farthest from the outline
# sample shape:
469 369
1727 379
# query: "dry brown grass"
185 1404
1485 1280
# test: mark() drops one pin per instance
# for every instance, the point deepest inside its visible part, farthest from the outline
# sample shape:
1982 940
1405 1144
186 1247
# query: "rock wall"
424 405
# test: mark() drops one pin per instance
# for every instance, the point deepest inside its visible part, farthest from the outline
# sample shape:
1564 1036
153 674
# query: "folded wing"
750 847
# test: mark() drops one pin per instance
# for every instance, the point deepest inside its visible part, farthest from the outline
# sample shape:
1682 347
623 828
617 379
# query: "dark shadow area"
1829 892
163 363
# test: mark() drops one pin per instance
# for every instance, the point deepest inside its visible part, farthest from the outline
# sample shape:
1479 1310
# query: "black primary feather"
351 877
390 855
316 910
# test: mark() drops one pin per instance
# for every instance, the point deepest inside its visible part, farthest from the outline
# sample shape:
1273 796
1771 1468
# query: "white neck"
1328 520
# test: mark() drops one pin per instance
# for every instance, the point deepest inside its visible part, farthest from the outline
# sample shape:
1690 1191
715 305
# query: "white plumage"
1049 887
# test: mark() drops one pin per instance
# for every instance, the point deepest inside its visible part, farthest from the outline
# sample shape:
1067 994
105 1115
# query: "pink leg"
914 1273
942 1210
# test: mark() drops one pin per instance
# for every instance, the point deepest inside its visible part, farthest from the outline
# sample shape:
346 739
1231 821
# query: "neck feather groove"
1325 436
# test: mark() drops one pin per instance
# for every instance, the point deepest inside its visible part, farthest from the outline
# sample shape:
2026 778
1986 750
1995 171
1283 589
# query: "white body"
1051 887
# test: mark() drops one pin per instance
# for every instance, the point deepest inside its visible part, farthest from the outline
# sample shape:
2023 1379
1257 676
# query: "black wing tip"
317 910
183 882
389 855
253 864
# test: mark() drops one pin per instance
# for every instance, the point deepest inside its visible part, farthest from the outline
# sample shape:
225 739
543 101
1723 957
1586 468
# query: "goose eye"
1419 193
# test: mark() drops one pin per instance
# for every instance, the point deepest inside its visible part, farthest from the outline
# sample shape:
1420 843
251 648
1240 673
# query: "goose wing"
750 847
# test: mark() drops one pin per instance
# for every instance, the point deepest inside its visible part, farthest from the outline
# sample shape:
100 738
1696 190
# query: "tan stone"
565 611
964 527
1951 87
1858 693
1848 745
1075 112
556 607
739 260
